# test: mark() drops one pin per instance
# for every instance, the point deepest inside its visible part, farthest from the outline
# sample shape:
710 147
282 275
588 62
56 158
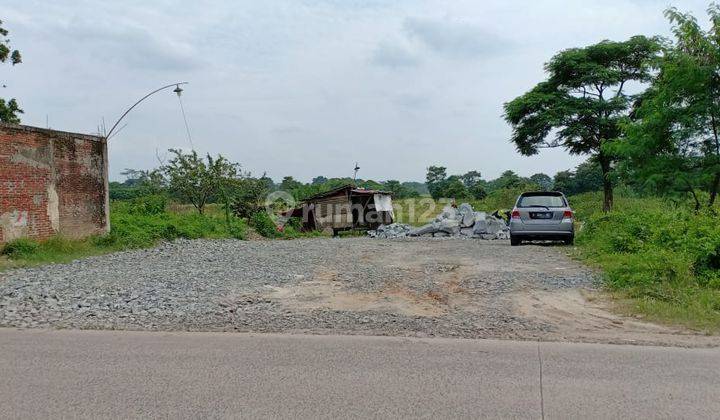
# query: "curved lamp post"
177 90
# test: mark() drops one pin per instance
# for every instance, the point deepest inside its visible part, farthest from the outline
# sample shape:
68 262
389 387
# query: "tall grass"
661 255
137 223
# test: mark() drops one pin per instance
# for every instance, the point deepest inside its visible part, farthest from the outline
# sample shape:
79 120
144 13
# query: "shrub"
264 225
134 229
238 229
20 248
656 251
675 234
248 196
149 204
134 224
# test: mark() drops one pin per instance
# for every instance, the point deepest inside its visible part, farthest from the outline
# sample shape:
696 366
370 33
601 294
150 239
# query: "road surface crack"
542 399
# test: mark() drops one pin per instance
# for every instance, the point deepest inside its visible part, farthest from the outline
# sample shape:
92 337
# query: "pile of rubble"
462 221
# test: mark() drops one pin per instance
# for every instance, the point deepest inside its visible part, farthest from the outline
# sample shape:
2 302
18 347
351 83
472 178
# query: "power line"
187 127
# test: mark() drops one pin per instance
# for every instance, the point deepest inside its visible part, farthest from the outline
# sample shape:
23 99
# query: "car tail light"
515 214
568 214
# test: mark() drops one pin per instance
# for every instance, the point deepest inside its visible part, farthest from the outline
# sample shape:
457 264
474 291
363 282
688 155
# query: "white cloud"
455 38
394 56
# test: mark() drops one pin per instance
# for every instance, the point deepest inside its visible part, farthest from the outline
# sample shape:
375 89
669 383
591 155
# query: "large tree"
10 109
583 102
506 180
674 144
195 180
542 180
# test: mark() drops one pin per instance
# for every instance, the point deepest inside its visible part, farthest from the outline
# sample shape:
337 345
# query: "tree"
10 109
583 101
399 190
137 177
319 180
543 180
474 184
477 191
508 179
269 184
435 180
471 178
369 184
194 180
564 181
289 184
249 195
673 145
396 188
453 187
588 177
416 189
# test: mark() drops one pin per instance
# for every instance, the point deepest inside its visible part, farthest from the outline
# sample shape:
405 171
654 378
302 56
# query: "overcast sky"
307 87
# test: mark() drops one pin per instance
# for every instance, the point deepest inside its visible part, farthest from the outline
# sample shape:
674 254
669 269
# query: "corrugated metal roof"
344 189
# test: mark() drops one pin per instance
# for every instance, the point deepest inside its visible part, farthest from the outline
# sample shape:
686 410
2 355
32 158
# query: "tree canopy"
9 109
584 101
195 180
673 145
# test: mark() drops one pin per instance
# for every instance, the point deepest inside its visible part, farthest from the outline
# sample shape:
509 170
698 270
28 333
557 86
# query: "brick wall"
52 182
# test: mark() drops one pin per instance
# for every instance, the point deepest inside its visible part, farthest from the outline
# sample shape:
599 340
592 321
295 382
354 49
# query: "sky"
307 87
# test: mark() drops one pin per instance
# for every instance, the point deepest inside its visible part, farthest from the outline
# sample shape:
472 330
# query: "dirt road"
406 287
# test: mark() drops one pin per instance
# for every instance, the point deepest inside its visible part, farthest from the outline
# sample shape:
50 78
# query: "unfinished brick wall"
52 182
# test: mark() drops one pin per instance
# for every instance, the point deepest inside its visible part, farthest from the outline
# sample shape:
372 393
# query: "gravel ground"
412 287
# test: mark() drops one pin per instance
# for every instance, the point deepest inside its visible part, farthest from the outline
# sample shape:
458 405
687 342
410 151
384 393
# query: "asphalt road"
102 374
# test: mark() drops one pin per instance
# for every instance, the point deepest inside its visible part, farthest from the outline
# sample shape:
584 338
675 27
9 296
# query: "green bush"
20 248
148 204
134 224
264 225
659 252
132 230
238 228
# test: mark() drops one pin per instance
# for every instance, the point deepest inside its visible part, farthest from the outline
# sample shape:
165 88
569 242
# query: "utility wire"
187 127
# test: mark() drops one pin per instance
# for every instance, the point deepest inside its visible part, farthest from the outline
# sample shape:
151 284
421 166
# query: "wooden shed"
345 208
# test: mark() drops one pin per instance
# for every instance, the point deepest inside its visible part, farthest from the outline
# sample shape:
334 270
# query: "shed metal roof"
344 189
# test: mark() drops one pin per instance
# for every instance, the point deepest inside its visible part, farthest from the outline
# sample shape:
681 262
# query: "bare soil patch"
587 316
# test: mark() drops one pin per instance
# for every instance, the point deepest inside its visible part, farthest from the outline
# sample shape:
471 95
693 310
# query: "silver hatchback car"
544 215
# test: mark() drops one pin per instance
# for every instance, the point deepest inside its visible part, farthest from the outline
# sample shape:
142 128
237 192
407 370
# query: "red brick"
36 161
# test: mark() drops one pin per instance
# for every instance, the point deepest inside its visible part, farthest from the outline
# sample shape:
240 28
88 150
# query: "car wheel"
570 240
515 241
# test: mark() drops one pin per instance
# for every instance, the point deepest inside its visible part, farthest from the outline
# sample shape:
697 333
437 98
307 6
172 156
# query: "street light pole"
177 90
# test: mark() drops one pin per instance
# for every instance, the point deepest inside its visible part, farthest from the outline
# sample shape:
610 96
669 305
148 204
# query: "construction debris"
395 230
462 221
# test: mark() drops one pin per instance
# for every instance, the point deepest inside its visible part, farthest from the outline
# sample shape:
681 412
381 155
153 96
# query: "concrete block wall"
52 182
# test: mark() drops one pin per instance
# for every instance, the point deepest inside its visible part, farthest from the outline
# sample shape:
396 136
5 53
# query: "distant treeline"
137 183
586 177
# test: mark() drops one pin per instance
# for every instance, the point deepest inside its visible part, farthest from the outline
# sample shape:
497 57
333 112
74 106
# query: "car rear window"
541 201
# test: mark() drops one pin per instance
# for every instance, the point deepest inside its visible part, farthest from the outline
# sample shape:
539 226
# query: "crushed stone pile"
462 221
